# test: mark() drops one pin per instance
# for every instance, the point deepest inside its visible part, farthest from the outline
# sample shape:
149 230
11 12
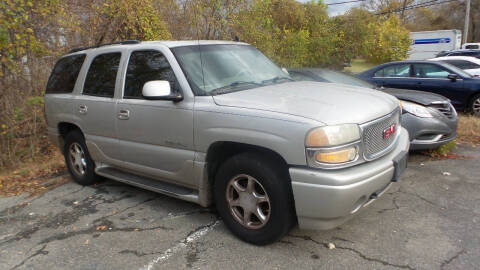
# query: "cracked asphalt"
429 220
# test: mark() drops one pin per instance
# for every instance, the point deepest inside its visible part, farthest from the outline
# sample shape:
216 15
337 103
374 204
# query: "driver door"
156 136
434 78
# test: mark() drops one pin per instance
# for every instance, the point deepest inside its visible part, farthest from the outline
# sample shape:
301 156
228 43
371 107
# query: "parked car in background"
470 46
472 53
437 77
217 122
430 119
466 63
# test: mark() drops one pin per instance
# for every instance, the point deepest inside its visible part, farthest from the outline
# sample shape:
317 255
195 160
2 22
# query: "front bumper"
429 133
325 199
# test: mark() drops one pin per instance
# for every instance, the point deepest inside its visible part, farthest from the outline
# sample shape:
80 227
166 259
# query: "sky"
336 9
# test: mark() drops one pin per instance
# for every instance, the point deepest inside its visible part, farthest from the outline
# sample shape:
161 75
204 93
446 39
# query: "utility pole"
467 18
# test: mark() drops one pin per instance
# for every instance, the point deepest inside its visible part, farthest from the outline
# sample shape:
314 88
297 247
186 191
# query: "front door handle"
124 114
82 109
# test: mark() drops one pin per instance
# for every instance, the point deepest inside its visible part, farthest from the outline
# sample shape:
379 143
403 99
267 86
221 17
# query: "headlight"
332 135
332 146
416 109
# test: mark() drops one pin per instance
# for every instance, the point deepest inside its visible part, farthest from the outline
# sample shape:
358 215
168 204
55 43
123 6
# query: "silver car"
218 122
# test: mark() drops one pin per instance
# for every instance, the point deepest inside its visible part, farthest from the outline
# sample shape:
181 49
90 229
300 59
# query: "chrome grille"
374 143
444 107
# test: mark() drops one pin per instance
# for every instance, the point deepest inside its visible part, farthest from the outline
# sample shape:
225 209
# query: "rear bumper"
325 199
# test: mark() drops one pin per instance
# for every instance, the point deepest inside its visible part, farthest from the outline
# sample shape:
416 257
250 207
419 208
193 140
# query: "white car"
471 46
467 63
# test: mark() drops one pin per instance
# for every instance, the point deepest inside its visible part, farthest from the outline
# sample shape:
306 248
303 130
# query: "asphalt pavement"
429 220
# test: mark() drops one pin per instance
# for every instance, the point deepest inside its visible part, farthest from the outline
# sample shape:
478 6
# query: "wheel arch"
64 128
220 151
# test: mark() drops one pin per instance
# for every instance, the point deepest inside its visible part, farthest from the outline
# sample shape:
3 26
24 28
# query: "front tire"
79 163
475 105
254 198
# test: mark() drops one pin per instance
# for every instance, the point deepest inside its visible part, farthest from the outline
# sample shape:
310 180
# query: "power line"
346 2
419 5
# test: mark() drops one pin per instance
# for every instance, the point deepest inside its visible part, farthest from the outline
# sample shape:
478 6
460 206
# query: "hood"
328 103
420 97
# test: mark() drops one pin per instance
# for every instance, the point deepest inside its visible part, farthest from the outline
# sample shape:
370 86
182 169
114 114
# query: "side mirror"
452 77
159 90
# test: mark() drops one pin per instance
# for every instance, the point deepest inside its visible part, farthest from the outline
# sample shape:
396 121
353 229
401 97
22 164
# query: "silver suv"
218 122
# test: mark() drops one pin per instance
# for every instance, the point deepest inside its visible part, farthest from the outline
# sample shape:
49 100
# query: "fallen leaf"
331 246
446 173
101 228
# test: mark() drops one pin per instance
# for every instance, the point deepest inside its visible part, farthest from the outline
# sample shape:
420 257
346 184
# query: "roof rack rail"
124 42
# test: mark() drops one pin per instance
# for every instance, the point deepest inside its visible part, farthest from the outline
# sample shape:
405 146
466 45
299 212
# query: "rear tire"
475 105
253 196
79 163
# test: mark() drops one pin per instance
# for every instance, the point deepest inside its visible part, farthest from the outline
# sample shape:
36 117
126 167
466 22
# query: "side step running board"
172 190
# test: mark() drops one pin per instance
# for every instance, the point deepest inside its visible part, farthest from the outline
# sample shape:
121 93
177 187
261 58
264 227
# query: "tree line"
34 33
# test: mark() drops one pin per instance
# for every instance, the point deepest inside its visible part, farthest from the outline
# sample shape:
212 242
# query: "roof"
167 43
459 57
180 43
462 50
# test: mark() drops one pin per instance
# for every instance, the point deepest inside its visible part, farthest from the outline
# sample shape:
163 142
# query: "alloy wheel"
476 106
78 160
248 201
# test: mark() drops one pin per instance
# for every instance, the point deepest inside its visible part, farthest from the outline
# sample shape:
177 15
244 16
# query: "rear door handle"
82 109
123 114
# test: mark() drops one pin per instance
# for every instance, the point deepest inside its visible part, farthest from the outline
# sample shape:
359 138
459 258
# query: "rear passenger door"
394 76
156 136
95 107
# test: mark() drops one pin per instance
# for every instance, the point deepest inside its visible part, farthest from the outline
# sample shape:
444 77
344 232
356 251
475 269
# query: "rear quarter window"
64 74
102 75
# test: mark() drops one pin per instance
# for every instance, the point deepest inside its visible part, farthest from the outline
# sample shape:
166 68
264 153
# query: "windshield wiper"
277 79
228 88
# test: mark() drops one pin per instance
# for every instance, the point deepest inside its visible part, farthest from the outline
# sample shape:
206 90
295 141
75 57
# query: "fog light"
339 156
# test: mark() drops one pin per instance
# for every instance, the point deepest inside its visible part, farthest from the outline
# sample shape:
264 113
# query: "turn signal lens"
333 135
340 156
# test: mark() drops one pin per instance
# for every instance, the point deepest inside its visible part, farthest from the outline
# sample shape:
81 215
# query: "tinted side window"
402 70
430 71
145 66
102 74
64 74
473 46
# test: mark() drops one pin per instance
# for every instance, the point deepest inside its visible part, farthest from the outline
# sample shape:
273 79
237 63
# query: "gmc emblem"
389 131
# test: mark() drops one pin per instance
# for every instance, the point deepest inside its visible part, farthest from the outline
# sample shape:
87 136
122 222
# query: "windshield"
338 77
227 68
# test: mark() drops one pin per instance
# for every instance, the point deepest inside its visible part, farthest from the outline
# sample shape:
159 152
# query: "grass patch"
444 151
468 131
358 65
